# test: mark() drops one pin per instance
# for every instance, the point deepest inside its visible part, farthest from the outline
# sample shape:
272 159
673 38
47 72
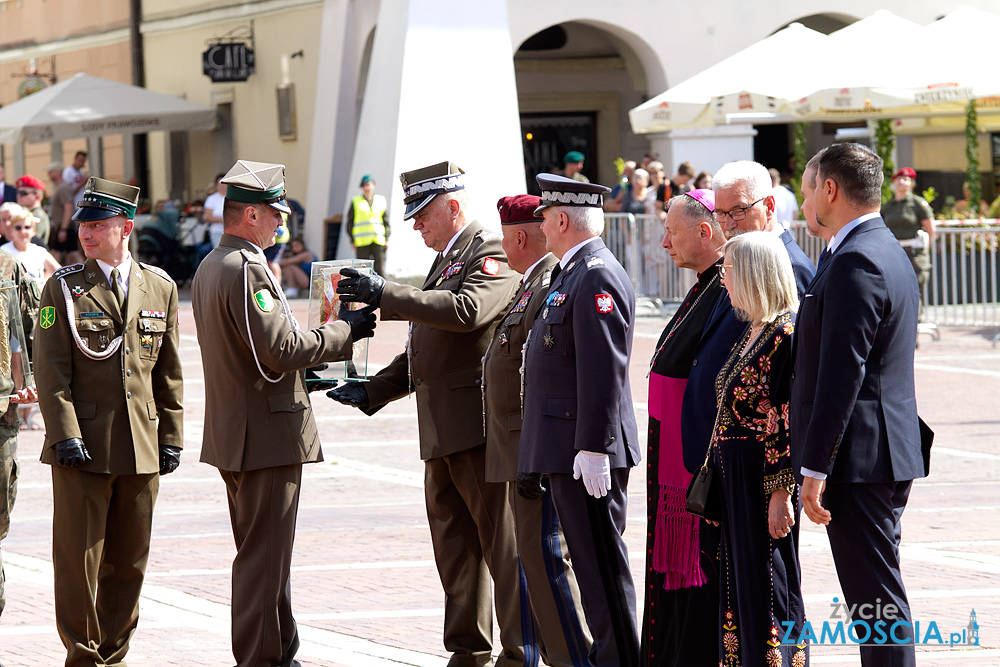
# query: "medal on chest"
450 271
522 303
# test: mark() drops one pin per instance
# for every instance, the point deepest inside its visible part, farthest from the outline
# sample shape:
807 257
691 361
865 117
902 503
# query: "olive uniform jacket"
126 405
502 373
453 318
244 334
18 304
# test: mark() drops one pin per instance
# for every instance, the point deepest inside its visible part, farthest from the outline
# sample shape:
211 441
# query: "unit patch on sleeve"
264 300
605 304
491 267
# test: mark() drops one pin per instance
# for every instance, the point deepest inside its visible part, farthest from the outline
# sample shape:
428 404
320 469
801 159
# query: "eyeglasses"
25 193
21 228
722 269
737 213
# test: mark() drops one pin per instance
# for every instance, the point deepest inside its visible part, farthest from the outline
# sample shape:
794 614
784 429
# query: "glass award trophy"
15 365
325 306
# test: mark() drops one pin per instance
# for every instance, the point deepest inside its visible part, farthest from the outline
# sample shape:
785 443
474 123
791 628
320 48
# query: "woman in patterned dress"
760 584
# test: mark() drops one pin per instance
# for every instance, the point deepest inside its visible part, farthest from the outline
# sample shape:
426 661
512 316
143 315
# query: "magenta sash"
676 549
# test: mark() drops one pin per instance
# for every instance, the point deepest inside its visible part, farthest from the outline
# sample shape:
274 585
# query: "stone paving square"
365 589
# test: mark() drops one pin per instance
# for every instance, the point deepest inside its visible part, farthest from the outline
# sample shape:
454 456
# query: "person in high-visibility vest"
368 224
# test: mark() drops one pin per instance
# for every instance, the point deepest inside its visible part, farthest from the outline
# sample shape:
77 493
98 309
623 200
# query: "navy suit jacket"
721 333
9 193
577 394
854 409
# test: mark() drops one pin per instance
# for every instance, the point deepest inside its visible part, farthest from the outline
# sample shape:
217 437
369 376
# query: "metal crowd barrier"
635 241
963 288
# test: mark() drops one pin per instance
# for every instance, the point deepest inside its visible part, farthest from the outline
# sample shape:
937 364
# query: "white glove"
595 468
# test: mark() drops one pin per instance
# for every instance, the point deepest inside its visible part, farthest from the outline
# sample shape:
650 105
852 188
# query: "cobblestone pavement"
365 588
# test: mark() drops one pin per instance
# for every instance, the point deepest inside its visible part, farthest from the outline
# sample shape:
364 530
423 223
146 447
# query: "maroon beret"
518 209
905 171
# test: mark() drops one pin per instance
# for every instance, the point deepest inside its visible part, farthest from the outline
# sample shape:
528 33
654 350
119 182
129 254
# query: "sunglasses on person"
25 193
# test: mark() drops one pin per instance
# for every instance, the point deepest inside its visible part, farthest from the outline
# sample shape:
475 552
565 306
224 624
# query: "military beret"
562 191
421 186
105 199
905 171
29 181
573 156
365 180
257 183
519 208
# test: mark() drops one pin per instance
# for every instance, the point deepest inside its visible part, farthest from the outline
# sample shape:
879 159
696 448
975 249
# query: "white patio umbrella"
742 84
866 59
956 63
89 106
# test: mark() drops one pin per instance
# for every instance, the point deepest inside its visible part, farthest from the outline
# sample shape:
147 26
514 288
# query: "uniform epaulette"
251 256
157 270
66 270
486 235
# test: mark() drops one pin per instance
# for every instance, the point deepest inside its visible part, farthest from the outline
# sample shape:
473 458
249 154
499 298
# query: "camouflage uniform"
28 291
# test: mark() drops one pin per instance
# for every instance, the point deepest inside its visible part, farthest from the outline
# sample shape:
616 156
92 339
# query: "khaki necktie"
117 289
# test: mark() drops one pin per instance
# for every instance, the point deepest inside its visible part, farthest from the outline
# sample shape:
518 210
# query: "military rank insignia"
491 267
605 304
595 261
556 299
264 300
522 303
77 290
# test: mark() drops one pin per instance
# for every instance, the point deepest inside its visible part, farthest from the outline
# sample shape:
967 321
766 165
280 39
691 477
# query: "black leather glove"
529 485
71 453
170 458
350 393
355 286
362 322
315 383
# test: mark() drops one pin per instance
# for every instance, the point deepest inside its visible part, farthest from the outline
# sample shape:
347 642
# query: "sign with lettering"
228 62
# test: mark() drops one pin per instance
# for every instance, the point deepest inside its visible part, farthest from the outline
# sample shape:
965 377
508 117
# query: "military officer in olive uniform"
453 317
18 312
109 388
578 416
551 585
910 219
259 426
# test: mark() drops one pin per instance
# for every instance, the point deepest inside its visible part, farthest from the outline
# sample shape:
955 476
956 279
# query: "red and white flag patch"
491 266
605 304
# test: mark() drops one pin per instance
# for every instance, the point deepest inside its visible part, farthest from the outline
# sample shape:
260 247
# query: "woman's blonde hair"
762 278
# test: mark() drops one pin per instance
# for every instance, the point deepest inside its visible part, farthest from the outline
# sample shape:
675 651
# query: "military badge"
570 266
77 290
103 341
146 341
605 304
545 312
491 267
47 317
522 304
452 270
502 338
264 300
595 261
556 299
548 340
91 314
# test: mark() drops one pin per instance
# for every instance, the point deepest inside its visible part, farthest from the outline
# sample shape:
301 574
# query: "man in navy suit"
7 191
579 426
858 452
744 202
